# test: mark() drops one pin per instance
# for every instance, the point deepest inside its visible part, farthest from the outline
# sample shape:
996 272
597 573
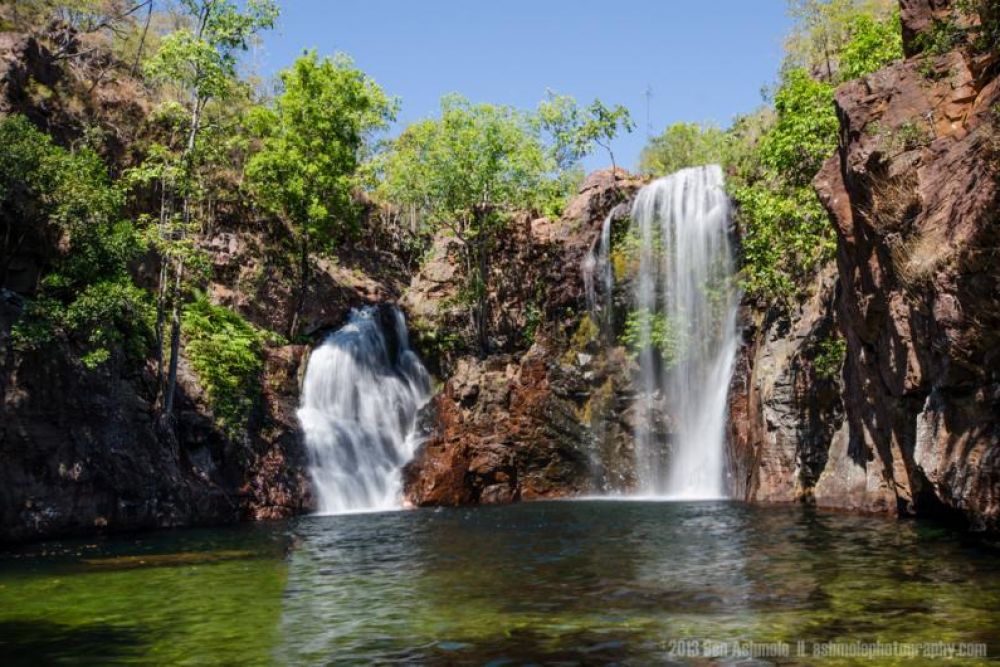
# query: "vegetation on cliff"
773 154
312 141
468 172
87 293
128 228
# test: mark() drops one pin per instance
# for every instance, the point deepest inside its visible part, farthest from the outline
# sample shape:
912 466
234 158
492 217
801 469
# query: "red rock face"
913 195
545 422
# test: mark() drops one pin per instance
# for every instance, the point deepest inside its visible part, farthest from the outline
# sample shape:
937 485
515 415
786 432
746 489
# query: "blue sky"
703 60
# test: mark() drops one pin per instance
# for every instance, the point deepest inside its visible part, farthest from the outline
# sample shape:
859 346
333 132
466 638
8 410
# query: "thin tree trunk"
303 285
175 323
483 308
161 320
175 341
142 39
161 298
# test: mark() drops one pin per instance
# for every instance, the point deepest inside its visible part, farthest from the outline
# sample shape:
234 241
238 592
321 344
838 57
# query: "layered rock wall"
912 194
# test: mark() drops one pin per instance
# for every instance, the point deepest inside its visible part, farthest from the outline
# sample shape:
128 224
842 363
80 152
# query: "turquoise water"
584 582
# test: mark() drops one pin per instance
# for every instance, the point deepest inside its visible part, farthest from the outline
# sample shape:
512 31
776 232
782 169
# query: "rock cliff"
549 417
81 448
912 425
913 195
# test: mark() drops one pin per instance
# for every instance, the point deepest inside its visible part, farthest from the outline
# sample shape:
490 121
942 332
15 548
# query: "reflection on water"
581 582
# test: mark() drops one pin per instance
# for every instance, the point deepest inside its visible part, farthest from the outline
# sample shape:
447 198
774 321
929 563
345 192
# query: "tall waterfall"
362 390
687 306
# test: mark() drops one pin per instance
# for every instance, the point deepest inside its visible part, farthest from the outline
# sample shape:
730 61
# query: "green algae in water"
170 598
582 582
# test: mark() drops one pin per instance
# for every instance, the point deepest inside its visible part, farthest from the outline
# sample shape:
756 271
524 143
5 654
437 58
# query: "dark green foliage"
943 36
532 320
87 293
830 359
786 232
226 352
109 313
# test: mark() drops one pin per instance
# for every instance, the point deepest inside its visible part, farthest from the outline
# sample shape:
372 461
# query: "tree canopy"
468 170
313 139
772 155
683 145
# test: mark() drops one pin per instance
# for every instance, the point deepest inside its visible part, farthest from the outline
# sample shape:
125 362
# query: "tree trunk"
161 297
175 341
142 39
186 157
161 321
303 286
483 306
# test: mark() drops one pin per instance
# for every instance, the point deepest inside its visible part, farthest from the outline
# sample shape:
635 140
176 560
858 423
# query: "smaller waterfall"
597 267
362 390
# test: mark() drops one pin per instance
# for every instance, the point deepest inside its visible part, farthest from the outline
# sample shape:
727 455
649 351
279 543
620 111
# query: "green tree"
598 125
467 172
822 30
50 195
559 119
804 133
200 63
312 142
786 232
873 44
683 145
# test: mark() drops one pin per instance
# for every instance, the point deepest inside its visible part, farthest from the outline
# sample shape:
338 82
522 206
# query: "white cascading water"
362 390
686 274
597 274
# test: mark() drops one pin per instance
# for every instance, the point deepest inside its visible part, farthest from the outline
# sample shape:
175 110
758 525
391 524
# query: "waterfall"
597 266
686 305
362 390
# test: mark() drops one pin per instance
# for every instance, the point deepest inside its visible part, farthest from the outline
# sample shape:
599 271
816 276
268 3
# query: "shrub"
87 294
657 330
830 359
226 352
873 45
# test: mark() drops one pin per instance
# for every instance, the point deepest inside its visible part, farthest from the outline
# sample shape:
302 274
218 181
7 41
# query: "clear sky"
703 60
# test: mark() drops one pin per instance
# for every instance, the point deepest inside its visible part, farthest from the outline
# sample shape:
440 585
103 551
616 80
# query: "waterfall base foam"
362 391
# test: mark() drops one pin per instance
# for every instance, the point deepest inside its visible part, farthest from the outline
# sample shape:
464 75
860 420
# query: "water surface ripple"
575 582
